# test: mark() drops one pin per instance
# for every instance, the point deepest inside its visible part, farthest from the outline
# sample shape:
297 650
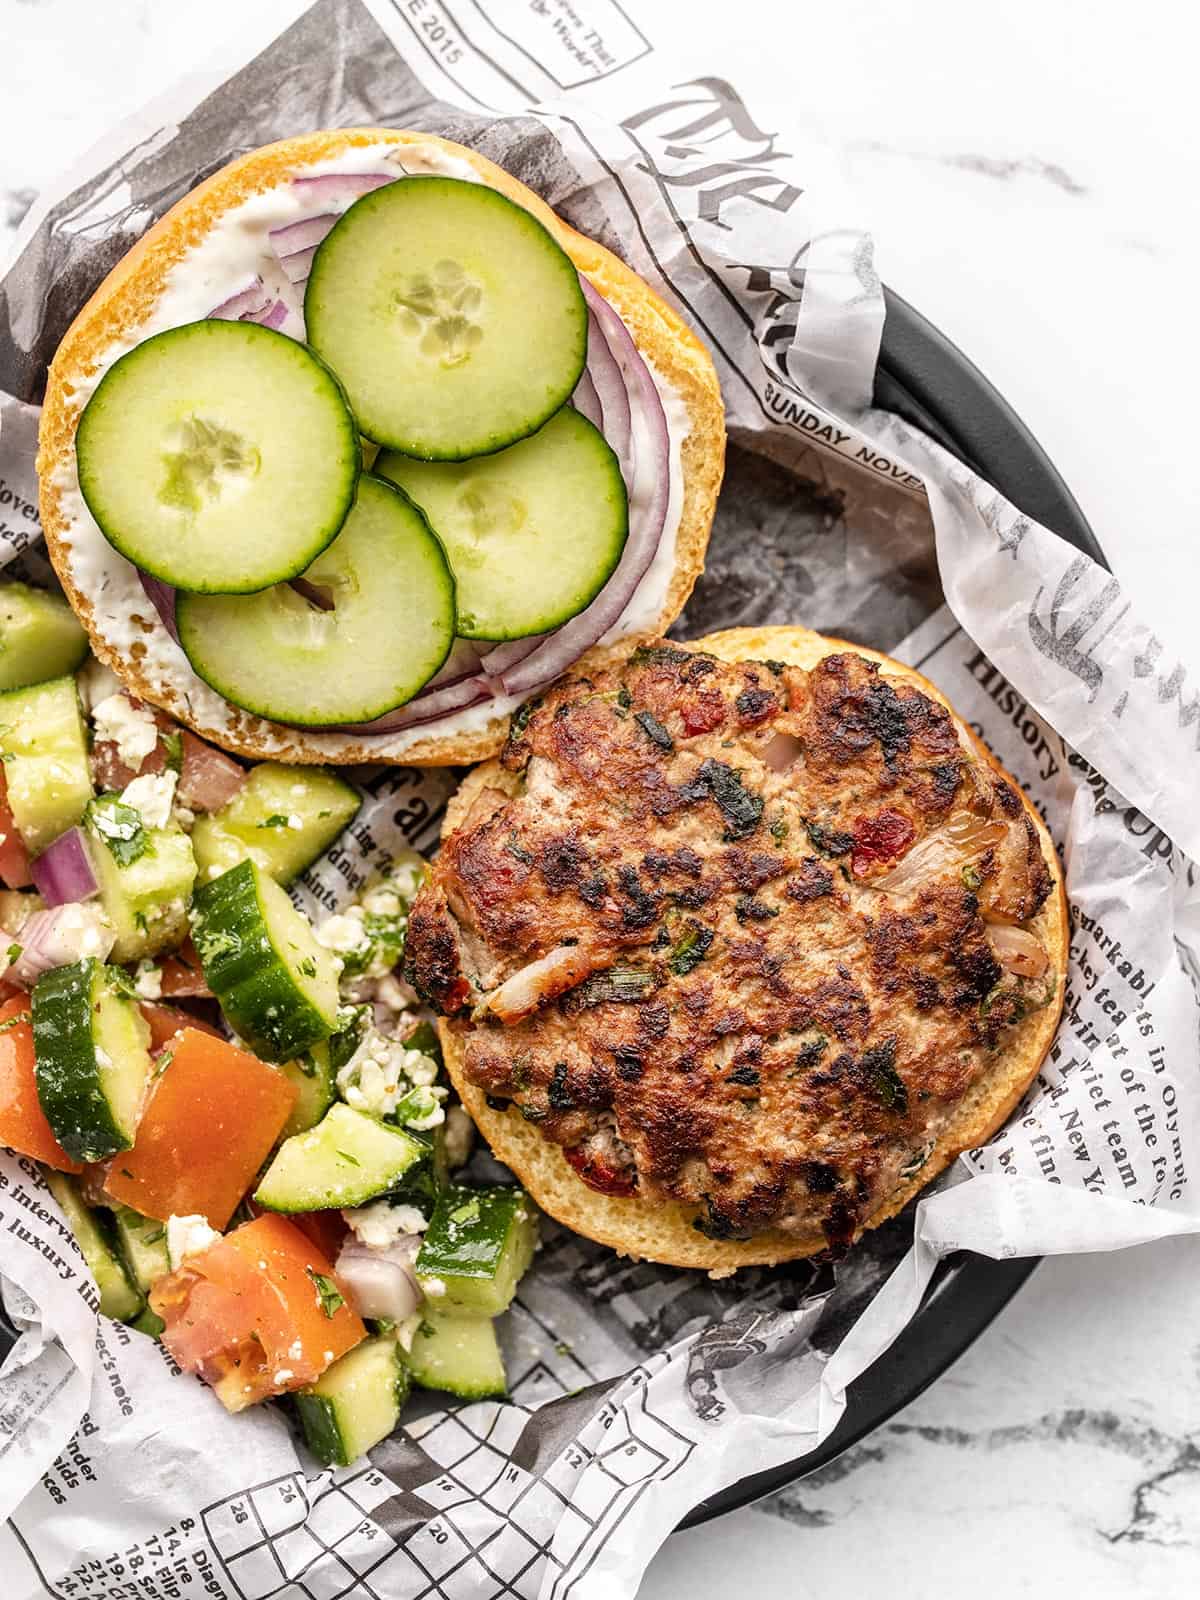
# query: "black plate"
930 383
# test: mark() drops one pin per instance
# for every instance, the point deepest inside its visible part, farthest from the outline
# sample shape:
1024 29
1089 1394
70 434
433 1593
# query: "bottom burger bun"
664 1231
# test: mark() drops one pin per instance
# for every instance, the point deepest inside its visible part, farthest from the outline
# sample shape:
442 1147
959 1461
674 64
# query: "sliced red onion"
340 188
162 597
501 657
566 644
613 394
63 872
246 302
297 266
381 1282
429 706
462 662
302 235
58 938
274 318
587 402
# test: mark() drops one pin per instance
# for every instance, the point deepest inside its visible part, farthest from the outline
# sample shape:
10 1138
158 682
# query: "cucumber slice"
44 750
458 1354
219 457
40 637
275 983
532 533
91 1057
476 1249
282 818
118 1297
313 1075
145 881
356 1402
143 1246
455 321
346 1160
388 630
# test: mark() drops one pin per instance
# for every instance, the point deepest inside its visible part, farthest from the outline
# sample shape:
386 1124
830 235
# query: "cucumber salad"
242 1115
407 470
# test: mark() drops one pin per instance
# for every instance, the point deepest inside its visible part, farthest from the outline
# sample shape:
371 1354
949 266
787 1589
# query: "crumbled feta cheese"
295 820
380 1224
284 1375
460 1136
391 993
343 932
383 1071
148 980
187 1236
77 931
183 816
151 796
96 683
131 728
382 901
433 1287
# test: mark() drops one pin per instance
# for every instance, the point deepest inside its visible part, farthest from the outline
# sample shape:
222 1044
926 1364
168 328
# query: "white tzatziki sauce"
236 249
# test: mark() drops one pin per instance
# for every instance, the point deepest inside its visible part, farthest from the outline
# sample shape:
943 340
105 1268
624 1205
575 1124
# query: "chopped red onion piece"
275 317
63 872
247 302
297 266
58 938
381 1282
162 598
653 476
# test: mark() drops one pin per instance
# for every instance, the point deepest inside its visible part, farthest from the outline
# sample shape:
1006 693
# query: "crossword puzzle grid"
480 1537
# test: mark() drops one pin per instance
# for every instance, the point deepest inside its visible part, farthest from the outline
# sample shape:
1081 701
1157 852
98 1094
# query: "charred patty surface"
743 937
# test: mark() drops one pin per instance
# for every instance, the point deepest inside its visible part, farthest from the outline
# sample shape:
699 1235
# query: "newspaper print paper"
637 1391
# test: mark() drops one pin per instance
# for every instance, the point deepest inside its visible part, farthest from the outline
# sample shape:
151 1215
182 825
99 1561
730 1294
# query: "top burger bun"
114 319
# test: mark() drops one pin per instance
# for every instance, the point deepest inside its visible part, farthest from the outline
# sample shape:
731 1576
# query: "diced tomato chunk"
14 858
167 1021
23 1125
209 778
257 1313
183 976
213 1114
326 1229
600 1174
880 838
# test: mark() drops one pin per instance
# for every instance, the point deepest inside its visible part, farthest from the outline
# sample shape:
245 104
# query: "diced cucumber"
44 750
91 1057
455 321
118 1297
356 1402
143 1246
458 1354
219 457
425 1180
145 879
282 818
346 1160
276 984
476 1249
40 637
352 1024
314 1079
375 623
532 533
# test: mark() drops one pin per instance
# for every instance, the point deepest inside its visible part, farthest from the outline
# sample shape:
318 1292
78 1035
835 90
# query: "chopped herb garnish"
971 878
521 717
774 666
746 1075
153 1238
828 841
275 820
307 967
654 730
661 655
879 1063
741 809
346 1156
617 986
327 1292
561 1098
518 851
162 1062
624 698
14 950
120 827
779 830
172 743
747 909
691 949
12 1022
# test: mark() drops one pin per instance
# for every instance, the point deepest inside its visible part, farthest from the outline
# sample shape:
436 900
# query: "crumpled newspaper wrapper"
636 1391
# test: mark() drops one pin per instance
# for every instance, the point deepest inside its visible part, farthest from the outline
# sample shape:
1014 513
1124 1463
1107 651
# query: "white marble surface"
1031 174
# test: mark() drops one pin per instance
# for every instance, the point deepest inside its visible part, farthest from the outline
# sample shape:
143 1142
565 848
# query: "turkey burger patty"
738 945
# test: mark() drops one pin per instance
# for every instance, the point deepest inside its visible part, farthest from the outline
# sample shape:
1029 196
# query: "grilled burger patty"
739 935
